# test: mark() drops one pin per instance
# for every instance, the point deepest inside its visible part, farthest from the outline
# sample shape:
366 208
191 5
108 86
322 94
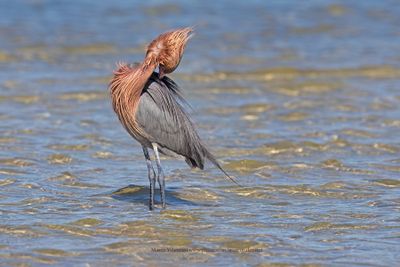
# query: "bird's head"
168 49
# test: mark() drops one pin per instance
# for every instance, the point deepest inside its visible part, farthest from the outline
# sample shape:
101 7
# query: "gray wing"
162 116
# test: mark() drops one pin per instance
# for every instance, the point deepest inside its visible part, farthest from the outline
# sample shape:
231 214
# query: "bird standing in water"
150 107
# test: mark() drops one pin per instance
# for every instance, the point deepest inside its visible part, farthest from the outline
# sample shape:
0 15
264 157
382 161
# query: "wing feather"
162 116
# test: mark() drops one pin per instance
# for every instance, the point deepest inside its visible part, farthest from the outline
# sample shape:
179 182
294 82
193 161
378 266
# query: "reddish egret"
149 106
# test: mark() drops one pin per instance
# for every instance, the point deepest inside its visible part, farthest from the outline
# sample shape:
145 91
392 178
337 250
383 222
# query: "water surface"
300 102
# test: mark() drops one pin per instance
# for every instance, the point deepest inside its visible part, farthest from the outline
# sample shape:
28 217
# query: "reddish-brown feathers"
169 49
128 82
125 88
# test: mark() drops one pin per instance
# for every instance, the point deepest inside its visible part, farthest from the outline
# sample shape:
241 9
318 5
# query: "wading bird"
150 107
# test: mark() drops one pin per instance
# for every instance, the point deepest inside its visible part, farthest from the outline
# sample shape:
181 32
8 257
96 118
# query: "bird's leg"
152 177
160 176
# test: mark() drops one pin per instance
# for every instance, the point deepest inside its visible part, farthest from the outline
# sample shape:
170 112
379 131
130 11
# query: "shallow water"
300 102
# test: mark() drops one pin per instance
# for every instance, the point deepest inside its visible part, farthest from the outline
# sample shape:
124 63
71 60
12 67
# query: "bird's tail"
214 161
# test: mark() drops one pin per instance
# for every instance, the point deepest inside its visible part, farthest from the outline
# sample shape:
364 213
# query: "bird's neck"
125 88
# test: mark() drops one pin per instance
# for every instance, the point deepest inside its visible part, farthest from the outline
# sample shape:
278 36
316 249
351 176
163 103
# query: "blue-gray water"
299 101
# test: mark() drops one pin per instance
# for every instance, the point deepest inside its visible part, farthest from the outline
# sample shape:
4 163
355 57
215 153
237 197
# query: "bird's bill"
161 73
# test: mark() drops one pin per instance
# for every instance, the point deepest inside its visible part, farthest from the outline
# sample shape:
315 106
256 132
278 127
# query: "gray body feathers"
162 116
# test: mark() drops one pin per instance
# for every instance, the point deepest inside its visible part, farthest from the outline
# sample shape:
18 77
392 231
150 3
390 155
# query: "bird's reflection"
140 194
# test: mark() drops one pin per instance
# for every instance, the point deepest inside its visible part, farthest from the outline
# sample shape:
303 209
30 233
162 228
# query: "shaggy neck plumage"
126 87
